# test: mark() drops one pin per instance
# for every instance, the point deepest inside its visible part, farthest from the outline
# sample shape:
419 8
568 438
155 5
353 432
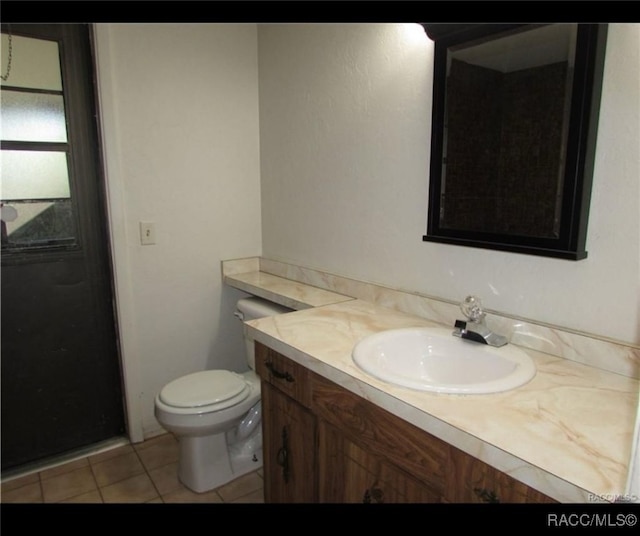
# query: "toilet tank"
252 308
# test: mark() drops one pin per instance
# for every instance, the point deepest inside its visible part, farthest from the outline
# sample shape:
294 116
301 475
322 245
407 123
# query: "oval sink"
432 359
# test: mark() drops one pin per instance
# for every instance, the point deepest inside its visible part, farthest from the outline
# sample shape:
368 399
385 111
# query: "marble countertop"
567 433
283 291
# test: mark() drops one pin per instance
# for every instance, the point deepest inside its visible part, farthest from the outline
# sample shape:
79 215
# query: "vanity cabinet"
322 443
288 430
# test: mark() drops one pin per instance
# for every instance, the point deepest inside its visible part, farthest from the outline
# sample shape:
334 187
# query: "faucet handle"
460 325
471 307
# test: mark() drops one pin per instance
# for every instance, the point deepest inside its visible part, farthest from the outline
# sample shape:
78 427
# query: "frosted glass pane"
38 224
34 175
33 117
35 63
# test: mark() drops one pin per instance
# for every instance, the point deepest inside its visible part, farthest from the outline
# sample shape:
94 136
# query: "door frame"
117 224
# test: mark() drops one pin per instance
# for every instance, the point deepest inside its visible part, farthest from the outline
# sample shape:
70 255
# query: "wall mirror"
515 113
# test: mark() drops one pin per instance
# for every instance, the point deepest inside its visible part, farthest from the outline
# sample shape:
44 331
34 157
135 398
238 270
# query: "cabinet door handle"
282 457
373 494
280 375
486 495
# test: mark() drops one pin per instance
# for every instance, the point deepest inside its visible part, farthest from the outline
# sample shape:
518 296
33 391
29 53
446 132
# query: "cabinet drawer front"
349 474
470 480
380 432
281 372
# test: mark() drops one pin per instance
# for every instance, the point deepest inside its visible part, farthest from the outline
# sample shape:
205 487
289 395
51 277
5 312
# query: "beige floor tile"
158 451
137 489
70 484
31 493
141 473
165 478
115 469
254 497
112 453
240 486
185 495
161 439
86 498
64 468
20 481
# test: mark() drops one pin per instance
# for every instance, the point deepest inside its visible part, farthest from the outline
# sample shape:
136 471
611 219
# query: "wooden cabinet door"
347 473
470 480
289 445
406 449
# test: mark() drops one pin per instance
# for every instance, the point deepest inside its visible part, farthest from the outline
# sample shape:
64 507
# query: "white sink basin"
432 359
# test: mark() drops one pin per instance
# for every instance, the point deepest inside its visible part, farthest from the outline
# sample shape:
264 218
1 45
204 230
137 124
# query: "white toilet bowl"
204 462
215 414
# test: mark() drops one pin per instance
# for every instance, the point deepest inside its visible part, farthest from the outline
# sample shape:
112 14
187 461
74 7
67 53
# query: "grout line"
98 487
41 487
146 471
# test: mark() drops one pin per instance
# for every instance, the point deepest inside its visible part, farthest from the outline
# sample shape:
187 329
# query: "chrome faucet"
474 328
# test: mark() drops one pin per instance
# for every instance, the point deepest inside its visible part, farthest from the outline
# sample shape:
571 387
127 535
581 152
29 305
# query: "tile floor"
134 473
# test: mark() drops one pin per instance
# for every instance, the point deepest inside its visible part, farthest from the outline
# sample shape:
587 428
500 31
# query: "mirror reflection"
506 121
514 122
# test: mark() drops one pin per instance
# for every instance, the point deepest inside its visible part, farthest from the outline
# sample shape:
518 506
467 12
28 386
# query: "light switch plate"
147 233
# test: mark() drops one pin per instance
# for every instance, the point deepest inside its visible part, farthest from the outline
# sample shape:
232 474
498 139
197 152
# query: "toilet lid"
205 388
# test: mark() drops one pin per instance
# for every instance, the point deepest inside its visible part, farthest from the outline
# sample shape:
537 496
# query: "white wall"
342 147
345 116
179 107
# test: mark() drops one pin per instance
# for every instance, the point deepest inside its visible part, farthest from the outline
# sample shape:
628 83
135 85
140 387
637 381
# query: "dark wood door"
61 380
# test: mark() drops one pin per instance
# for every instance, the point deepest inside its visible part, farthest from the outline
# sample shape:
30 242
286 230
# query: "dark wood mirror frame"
570 240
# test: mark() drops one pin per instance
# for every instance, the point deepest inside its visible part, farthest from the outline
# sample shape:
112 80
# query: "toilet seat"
216 389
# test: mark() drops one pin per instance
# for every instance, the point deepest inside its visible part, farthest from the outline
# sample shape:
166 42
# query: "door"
61 381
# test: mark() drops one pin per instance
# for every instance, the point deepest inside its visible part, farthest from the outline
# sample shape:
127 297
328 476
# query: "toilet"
216 415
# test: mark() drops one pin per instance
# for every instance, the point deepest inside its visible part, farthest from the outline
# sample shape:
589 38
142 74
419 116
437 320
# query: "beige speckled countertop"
567 433
284 291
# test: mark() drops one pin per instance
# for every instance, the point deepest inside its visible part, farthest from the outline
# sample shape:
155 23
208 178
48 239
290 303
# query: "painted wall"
331 124
344 137
179 107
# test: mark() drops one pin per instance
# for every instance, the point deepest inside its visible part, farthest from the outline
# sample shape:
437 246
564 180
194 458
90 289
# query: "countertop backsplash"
606 354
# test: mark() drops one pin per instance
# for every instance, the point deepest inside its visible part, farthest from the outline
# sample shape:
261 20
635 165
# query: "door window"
35 192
